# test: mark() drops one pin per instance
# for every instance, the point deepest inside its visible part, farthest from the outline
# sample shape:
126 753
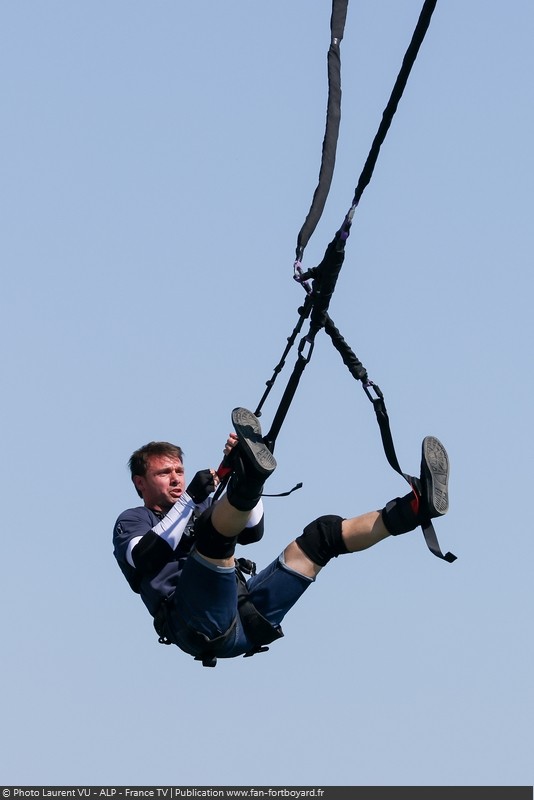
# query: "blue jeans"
205 601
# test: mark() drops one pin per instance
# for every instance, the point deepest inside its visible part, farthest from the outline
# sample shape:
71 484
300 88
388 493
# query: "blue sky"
158 160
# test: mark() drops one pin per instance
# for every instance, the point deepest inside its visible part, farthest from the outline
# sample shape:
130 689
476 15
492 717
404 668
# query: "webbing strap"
333 119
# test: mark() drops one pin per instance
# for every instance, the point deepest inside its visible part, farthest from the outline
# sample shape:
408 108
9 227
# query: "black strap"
333 120
376 397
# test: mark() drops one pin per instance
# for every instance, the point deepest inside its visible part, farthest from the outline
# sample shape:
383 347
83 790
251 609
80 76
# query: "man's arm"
162 539
169 530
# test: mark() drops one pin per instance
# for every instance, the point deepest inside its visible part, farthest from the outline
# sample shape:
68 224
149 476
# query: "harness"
258 630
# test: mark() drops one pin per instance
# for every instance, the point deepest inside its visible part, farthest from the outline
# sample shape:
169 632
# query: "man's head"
157 472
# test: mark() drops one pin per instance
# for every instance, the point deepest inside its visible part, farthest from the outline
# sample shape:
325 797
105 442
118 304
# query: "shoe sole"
435 472
248 430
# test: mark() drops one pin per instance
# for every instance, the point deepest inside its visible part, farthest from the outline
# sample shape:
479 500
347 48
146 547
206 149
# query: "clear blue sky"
157 162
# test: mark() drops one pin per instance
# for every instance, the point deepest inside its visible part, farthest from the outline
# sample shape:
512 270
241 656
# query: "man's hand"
225 466
230 444
202 485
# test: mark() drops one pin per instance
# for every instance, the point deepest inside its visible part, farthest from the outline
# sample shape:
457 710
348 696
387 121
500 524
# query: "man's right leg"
429 497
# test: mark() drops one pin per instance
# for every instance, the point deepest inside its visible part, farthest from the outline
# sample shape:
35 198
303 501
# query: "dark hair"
138 462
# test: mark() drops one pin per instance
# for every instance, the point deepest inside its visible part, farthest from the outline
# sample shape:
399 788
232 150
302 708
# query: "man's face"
163 482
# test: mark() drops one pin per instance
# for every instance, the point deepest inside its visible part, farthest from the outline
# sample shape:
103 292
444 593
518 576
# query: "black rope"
304 313
396 94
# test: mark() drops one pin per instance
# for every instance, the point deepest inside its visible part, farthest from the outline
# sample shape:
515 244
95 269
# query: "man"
177 550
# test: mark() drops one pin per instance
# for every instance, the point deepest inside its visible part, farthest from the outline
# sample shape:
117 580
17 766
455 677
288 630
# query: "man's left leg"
252 462
331 536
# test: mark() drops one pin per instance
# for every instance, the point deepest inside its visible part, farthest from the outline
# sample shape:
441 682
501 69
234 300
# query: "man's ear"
139 483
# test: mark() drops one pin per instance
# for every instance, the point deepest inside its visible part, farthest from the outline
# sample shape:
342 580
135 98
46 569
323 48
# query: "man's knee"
211 543
322 539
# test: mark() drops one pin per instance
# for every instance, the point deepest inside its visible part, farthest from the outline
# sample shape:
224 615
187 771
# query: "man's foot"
251 444
435 477
429 497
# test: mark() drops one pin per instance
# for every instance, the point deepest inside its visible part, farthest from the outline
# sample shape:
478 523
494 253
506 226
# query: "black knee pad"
210 542
321 540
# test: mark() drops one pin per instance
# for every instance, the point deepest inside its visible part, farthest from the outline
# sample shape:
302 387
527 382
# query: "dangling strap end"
433 545
285 494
